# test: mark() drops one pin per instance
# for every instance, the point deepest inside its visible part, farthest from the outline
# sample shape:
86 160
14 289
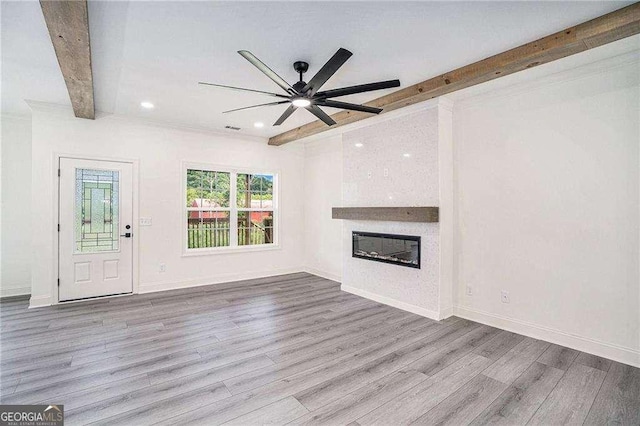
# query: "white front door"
95 228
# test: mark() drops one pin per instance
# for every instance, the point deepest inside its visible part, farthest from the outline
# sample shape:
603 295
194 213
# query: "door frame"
135 251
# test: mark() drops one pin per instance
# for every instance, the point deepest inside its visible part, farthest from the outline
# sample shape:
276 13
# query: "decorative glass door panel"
95 256
97 210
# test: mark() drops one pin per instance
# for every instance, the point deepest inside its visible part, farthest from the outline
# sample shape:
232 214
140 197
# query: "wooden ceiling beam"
608 28
68 25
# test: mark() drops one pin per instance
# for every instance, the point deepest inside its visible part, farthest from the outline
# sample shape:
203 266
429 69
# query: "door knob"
127 234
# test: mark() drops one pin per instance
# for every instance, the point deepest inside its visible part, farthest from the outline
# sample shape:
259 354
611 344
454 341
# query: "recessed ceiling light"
258 124
406 155
301 102
358 145
146 104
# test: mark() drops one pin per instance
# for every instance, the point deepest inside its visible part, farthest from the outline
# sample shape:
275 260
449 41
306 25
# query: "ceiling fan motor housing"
300 67
298 86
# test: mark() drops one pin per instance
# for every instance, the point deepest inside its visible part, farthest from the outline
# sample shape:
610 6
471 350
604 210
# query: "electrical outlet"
369 174
504 296
469 291
163 267
145 221
386 172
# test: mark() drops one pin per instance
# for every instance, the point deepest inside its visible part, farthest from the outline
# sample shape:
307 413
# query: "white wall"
160 151
16 204
547 191
322 191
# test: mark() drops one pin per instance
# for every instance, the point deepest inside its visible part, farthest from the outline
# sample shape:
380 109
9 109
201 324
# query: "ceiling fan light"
301 102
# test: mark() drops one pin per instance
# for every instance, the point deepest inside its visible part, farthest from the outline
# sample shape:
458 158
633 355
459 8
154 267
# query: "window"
214 221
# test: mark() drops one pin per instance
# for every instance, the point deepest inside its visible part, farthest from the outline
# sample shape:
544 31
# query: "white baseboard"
323 274
218 279
606 350
446 312
40 301
392 302
16 291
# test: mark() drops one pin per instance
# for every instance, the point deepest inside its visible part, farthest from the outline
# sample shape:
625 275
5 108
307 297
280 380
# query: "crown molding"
14 116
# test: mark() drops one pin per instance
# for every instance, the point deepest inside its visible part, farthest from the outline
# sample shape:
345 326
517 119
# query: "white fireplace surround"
402 162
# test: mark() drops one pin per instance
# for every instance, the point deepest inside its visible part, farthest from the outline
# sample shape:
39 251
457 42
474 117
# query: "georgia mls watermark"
31 415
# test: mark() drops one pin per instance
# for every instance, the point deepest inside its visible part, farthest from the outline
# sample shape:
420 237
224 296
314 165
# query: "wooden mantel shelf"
387 214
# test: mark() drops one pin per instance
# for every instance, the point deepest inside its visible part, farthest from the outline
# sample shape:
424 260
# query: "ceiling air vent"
232 127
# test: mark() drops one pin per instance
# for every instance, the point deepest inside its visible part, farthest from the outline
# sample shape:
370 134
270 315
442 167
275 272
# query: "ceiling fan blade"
313 109
256 106
327 70
267 71
285 115
346 105
243 89
334 93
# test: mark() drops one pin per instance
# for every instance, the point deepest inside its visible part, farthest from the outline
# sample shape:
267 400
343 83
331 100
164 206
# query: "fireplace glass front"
403 250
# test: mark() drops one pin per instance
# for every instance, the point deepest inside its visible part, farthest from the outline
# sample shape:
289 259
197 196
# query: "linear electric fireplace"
403 250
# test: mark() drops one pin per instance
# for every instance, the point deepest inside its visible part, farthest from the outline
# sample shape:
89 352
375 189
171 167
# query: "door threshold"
85 299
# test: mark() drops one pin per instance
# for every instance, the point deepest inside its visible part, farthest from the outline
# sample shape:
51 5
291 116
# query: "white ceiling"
158 51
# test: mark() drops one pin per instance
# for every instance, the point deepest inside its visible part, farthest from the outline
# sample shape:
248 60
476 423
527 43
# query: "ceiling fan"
306 95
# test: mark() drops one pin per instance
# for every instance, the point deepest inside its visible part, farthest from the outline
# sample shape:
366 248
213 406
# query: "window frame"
233 210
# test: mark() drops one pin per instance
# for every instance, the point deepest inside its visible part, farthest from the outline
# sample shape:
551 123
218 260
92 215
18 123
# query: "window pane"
208 189
255 191
255 228
208 229
96 210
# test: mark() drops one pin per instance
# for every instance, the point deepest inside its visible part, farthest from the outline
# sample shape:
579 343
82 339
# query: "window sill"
230 250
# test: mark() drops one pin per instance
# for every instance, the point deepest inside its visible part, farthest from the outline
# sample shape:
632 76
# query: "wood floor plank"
160 409
348 330
499 346
618 401
570 401
364 400
330 390
7 387
558 356
34 344
512 364
411 405
287 324
391 334
94 394
126 402
461 407
36 389
593 361
517 404
441 358
279 413
167 342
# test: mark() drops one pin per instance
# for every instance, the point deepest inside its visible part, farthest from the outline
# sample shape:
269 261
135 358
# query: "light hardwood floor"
295 349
